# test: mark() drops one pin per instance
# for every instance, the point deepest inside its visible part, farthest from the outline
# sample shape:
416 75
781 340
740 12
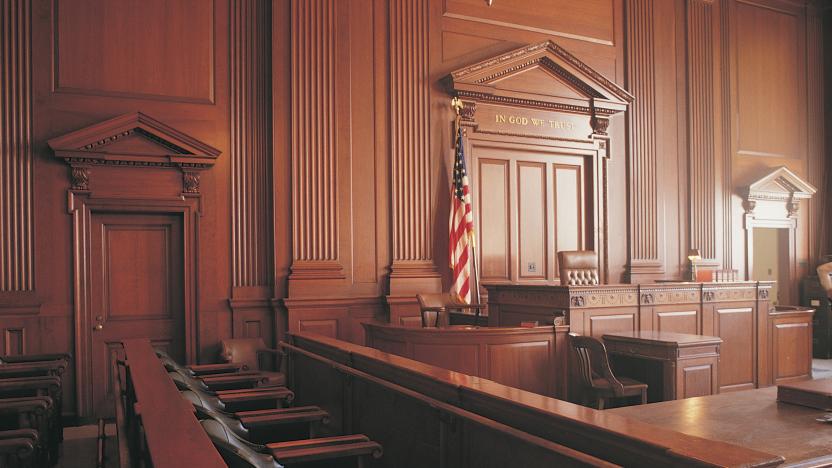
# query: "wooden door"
137 291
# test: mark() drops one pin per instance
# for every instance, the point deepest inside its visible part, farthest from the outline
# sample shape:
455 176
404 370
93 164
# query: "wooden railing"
156 426
345 379
417 430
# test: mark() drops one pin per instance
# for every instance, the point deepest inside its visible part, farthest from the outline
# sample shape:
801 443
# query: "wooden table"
673 365
752 418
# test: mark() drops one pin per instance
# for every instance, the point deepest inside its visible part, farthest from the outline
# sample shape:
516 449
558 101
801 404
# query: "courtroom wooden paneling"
251 155
332 187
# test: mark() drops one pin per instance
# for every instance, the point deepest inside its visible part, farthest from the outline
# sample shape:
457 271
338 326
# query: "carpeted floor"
80 447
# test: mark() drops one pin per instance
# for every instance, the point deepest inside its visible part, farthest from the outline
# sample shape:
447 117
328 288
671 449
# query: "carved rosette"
79 178
190 182
763 294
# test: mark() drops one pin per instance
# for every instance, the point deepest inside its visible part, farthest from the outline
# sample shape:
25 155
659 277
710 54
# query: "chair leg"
644 397
601 402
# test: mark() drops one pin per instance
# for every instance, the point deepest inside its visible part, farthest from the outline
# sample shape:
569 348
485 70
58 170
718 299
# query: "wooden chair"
249 352
262 426
236 400
439 306
591 369
578 267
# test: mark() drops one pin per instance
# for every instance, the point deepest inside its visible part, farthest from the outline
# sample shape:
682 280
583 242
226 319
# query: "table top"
751 418
662 338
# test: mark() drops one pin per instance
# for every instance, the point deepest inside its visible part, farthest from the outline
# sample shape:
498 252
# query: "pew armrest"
214 369
304 451
49 384
36 357
276 417
34 368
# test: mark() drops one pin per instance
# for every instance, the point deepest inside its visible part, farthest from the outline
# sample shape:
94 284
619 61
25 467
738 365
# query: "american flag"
461 226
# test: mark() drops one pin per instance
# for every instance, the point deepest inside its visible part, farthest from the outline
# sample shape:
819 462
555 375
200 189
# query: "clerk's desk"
528 358
760 347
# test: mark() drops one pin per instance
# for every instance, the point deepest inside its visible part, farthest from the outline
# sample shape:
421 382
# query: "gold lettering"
500 118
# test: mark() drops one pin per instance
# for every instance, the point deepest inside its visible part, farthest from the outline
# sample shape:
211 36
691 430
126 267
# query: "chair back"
825 277
578 267
204 409
236 452
591 363
243 351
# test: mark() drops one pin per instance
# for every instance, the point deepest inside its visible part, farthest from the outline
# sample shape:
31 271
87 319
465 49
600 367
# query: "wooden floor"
81 444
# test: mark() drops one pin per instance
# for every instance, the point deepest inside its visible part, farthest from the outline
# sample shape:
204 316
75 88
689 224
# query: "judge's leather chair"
591 369
250 352
825 277
578 267
436 308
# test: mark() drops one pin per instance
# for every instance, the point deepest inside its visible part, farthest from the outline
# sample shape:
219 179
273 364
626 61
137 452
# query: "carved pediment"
133 138
540 76
780 184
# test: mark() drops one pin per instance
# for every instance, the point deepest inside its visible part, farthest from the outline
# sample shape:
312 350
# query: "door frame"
81 206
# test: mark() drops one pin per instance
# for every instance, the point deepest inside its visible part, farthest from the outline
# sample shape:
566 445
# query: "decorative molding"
645 249
781 184
251 145
16 159
480 81
314 144
411 171
701 50
97 144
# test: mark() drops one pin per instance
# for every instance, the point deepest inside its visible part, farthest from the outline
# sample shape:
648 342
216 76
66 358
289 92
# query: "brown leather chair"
437 307
825 277
591 369
249 352
578 267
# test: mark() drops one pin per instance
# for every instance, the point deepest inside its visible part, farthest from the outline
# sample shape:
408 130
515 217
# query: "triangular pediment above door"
542 75
780 184
134 138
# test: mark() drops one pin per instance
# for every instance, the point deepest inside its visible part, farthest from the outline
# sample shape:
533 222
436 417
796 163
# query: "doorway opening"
771 261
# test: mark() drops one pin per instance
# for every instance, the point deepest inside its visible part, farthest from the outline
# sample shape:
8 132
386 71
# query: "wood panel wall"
330 198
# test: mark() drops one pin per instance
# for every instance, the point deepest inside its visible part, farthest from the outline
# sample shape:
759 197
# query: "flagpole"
456 103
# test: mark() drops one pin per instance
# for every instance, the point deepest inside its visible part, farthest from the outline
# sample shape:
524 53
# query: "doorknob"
98 327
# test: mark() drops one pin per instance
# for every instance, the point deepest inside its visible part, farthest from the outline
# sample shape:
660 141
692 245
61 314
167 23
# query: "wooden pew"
605 436
417 430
